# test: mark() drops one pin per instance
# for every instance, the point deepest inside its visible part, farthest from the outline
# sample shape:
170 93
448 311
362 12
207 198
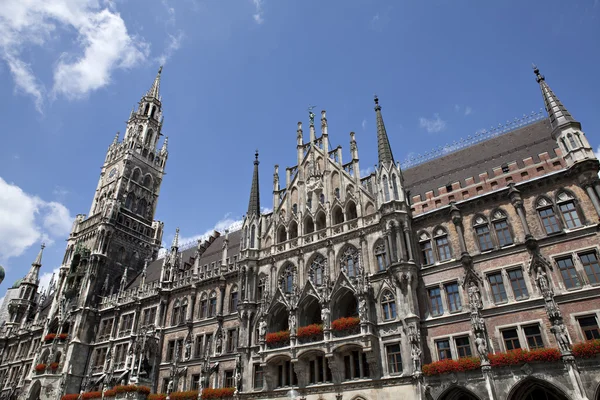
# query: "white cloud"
258 11
104 44
46 277
364 124
367 171
173 44
266 210
26 219
170 12
436 124
468 110
227 222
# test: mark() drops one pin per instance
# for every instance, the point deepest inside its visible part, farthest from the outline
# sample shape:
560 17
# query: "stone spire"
175 244
155 89
383 144
34 271
165 145
558 113
254 202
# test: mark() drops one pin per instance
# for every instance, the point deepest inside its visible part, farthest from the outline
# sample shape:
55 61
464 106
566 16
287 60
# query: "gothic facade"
352 287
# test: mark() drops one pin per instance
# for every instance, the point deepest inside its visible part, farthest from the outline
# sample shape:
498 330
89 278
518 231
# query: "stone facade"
351 288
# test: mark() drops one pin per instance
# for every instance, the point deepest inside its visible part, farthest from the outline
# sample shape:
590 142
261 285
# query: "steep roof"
514 146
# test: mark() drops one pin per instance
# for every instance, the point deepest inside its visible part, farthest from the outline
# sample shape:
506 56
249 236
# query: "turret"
252 220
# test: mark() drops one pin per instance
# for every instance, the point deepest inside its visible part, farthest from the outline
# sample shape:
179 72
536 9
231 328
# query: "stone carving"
415 354
292 323
262 328
558 329
362 309
474 296
482 348
325 317
543 283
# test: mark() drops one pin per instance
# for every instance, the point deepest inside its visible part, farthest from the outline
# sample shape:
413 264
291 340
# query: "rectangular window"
208 344
533 336
497 286
198 347
427 252
435 301
484 237
258 376
394 356
463 347
381 261
212 307
511 339
454 303
589 327
570 215
503 233
549 220
443 349
170 351
443 248
591 267
568 273
195 382
517 282
229 382
231 340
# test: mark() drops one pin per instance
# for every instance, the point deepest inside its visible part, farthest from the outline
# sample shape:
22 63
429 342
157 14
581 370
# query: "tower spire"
34 271
558 113
254 202
175 244
383 144
155 89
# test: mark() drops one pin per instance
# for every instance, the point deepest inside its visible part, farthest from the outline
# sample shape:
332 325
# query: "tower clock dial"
112 173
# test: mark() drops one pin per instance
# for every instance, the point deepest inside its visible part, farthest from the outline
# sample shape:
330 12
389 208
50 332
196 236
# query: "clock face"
112 173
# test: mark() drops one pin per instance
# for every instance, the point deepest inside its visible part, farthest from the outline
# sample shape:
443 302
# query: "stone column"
408 239
400 250
457 221
517 201
594 197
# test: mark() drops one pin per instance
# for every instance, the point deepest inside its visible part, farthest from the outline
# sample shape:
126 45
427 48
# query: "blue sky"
239 74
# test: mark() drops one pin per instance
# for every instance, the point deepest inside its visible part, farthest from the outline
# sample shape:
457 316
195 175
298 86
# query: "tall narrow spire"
34 272
254 202
155 89
175 243
383 144
38 259
557 112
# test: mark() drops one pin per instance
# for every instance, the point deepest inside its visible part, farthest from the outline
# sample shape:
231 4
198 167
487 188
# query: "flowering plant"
110 393
49 337
345 323
520 356
63 336
125 388
278 337
40 367
92 395
309 330
143 390
586 349
72 396
53 366
209 393
157 396
447 366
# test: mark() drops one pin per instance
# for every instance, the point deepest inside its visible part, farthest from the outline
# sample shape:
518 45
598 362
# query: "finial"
256 155
117 137
160 69
538 77
311 115
176 238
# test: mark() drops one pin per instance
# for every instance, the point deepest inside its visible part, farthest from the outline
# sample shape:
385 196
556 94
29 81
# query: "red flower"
125 388
587 349
345 323
157 396
520 356
63 336
447 366
49 337
310 330
91 395
72 396
110 393
40 367
209 393
277 337
53 366
143 390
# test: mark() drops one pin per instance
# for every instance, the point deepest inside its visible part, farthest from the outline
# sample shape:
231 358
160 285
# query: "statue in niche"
362 309
558 329
474 296
325 317
542 280
415 354
262 328
482 348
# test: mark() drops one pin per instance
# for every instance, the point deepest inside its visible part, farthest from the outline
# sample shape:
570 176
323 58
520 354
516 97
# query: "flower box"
63 336
520 356
346 326
40 367
447 366
586 349
157 396
189 395
120 389
278 339
53 366
310 333
49 337
72 396
222 393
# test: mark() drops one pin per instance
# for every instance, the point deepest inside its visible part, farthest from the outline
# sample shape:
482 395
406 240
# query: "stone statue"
474 296
415 354
292 323
262 329
325 317
219 344
170 387
482 348
542 280
558 329
188 350
362 309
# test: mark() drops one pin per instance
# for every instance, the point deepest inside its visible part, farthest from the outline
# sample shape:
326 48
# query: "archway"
536 389
458 393
35 392
310 312
344 305
279 319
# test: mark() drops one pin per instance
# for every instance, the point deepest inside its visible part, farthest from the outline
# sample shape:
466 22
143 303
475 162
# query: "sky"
239 74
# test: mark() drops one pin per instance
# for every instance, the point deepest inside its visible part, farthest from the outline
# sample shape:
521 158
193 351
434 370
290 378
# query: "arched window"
141 208
309 225
321 220
336 192
309 201
262 287
281 234
380 255
426 247
286 280
317 269
175 313
136 175
351 211
245 238
501 228
572 142
233 299
482 231
386 188
338 215
212 305
148 181
395 187
295 208
129 201
252 236
349 261
149 135
203 311
568 210
183 311
547 215
322 198
442 244
388 306
293 230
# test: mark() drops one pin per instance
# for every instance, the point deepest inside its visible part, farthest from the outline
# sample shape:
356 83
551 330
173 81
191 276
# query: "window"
533 336
380 256
170 350
511 339
435 301
426 249
568 273
203 307
349 261
229 381
286 375
258 376
287 279
386 189
233 300
589 327
394 358
500 223
208 344
195 382
570 216
355 365
198 347
443 349
318 370
591 267
482 230
231 340
262 286
454 303
183 311
443 246
316 270
212 305
497 286
388 305
463 347
547 215
517 282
